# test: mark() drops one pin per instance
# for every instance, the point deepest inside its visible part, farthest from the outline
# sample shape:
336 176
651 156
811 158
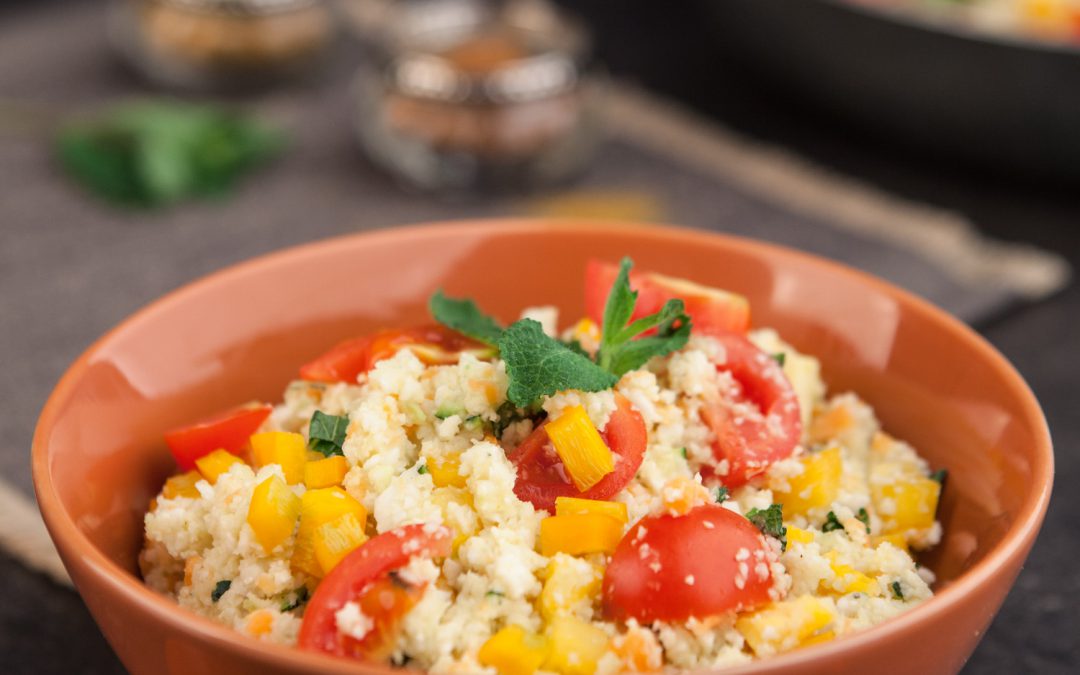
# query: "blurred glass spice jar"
461 95
221 44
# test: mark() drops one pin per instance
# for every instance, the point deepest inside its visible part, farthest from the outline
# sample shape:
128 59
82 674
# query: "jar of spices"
461 95
220 44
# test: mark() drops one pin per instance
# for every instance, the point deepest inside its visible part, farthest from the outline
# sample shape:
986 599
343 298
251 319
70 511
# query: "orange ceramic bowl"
240 334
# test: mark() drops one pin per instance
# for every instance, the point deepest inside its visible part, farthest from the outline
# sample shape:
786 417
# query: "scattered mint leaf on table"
326 434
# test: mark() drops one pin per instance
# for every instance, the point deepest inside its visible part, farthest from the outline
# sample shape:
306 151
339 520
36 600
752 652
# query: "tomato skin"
710 309
229 430
357 573
433 344
753 444
654 583
541 476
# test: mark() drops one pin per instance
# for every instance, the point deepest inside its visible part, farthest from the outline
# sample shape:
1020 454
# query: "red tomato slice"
541 476
363 577
229 430
710 309
434 345
670 568
759 423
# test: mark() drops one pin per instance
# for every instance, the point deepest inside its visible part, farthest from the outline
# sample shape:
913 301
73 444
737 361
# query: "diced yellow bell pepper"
512 651
572 506
325 473
580 447
273 512
570 582
830 424
459 498
216 463
318 507
817 485
446 472
575 646
283 448
579 534
785 625
182 485
799 535
907 504
848 579
334 540
818 638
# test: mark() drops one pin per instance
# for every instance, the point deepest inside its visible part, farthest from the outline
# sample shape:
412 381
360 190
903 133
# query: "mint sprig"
539 365
622 347
465 317
326 434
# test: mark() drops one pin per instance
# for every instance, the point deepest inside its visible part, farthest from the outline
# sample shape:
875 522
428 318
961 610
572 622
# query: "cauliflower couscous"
654 487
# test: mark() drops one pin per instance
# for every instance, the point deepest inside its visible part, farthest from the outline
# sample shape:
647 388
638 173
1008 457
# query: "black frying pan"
1010 105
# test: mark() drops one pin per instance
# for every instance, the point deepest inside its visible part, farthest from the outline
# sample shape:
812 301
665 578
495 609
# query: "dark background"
665 47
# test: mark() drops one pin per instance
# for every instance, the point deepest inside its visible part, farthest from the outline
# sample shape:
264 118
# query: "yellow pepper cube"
446 472
817 486
273 512
571 582
579 534
575 646
785 625
212 465
283 448
325 473
907 504
897 539
579 445
334 540
456 505
572 506
182 485
848 579
799 535
512 651
318 507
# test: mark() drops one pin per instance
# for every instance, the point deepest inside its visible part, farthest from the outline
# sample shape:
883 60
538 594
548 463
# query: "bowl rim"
82 553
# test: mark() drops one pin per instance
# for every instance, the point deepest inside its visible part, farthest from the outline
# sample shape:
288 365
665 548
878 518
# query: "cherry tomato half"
229 430
541 476
364 577
710 309
434 345
700 564
750 438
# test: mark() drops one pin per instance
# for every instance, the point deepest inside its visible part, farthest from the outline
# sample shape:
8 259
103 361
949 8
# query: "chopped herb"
538 365
622 348
443 413
494 594
300 596
771 522
465 317
831 523
422 470
864 517
508 414
896 591
326 434
940 476
473 422
682 451
220 589
721 494
780 357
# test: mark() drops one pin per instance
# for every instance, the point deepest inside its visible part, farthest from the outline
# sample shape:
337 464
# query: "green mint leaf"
326 434
538 365
831 523
220 589
465 317
780 358
575 346
864 517
722 494
619 351
771 522
422 470
940 476
897 592
682 451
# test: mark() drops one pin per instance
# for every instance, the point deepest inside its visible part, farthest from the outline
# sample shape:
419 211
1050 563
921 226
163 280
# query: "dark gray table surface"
47 630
